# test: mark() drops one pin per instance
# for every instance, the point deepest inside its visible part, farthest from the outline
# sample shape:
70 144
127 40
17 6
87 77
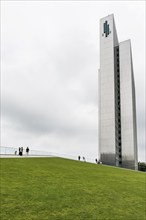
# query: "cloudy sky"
49 77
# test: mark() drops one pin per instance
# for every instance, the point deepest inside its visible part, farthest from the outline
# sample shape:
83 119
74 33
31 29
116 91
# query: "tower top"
108 29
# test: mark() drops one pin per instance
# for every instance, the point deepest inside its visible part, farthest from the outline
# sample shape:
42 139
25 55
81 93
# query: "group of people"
96 161
79 158
21 151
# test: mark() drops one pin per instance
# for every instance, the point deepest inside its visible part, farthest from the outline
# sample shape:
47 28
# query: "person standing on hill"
79 157
27 150
19 151
22 150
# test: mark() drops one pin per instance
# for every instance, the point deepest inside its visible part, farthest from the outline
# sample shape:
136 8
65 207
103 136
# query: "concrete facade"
117 108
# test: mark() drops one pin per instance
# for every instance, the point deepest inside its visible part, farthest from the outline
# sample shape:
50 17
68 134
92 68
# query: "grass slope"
55 188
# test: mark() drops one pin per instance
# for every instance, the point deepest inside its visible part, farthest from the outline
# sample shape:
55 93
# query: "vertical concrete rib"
128 108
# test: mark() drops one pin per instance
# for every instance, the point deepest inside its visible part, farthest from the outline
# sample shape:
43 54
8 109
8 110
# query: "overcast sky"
49 77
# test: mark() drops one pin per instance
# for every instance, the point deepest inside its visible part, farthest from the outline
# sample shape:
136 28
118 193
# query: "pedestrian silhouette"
20 151
27 150
84 159
79 157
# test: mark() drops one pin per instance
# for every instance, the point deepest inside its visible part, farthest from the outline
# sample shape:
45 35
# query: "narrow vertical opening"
118 143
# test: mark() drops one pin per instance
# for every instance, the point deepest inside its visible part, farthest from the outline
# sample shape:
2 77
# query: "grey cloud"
61 122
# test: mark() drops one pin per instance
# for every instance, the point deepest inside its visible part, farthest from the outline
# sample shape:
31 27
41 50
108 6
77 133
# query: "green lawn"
55 188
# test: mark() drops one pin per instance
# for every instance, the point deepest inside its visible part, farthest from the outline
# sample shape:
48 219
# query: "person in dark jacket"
19 151
27 150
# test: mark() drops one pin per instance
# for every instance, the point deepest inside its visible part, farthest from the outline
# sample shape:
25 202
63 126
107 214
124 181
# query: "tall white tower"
117 108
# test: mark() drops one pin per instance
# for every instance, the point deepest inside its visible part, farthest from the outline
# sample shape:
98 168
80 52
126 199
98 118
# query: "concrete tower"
117 107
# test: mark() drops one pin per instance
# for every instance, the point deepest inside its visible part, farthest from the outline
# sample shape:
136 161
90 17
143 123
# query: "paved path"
24 156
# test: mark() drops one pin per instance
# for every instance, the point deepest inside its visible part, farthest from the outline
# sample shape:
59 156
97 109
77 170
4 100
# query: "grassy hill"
61 189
